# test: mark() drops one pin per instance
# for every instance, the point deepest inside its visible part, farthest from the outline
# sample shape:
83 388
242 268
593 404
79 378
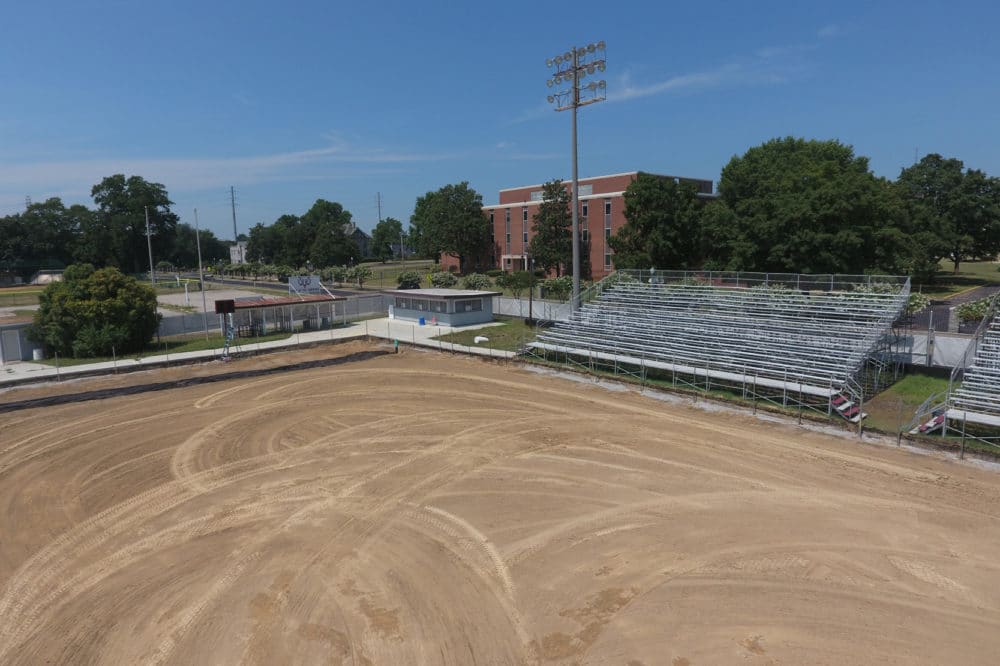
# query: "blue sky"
290 102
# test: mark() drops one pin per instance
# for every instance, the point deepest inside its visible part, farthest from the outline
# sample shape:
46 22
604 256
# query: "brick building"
602 213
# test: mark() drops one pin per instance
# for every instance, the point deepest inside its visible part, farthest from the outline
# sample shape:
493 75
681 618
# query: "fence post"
114 359
961 453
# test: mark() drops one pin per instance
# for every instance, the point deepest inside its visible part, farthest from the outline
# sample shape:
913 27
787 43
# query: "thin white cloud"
827 31
766 66
73 179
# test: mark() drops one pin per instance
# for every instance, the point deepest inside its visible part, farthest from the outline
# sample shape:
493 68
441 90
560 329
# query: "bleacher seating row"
810 341
977 398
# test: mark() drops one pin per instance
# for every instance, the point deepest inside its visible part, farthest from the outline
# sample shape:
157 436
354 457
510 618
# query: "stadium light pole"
570 68
149 246
201 275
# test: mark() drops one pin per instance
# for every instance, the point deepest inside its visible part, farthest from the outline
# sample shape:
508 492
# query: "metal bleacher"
977 398
801 334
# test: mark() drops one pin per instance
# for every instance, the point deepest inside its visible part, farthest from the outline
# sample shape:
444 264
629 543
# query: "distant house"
361 239
238 253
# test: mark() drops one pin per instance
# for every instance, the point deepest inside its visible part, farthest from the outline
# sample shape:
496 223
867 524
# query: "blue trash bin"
422 322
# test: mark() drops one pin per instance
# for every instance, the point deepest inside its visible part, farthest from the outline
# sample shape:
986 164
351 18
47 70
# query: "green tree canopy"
552 241
92 312
185 252
116 233
954 212
43 236
319 236
324 229
796 205
663 225
386 235
451 221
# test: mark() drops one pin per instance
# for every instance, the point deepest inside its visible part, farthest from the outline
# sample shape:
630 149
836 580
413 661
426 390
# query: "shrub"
494 272
443 279
917 303
973 310
94 312
476 281
558 288
409 280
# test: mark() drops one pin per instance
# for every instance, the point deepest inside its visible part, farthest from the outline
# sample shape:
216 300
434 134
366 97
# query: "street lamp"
570 68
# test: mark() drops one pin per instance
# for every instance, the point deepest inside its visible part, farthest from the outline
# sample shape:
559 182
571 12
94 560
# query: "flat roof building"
451 307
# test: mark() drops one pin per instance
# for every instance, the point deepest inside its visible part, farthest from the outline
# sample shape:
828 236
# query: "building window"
471 305
507 262
506 224
585 235
584 213
607 209
607 260
607 220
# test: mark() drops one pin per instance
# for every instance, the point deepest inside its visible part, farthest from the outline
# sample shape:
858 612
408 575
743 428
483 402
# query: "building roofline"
610 175
584 197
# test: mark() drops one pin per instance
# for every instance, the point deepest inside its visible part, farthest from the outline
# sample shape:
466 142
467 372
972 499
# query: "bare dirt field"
425 509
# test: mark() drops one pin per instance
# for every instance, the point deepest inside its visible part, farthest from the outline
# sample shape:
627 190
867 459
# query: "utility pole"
378 202
149 246
201 275
571 67
236 236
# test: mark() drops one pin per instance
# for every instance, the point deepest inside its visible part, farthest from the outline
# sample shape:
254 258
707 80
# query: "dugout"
450 307
261 315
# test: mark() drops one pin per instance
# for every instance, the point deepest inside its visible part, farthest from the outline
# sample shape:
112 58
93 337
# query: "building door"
10 346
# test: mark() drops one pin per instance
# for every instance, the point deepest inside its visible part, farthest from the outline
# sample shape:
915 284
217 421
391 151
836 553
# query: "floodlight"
571 67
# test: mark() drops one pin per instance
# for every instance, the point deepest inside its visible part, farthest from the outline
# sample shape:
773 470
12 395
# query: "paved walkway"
406 332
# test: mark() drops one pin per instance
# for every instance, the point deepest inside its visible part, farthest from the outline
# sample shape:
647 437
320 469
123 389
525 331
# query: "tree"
663 225
792 205
324 231
409 280
552 243
451 221
385 235
360 275
953 213
185 252
45 235
116 236
516 282
95 312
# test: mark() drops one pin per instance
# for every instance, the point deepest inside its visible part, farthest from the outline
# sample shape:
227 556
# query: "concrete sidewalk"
407 333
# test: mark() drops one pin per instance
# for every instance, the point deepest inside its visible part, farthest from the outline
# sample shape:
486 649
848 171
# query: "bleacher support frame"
973 395
792 339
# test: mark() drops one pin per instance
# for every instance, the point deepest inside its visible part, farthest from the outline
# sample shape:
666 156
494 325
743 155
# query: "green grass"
177 308
176 345
18 296
511 335
971 274
900 401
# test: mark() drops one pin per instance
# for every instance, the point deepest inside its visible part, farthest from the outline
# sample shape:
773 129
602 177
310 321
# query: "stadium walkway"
407 333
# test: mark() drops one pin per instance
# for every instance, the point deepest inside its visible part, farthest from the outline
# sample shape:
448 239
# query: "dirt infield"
425 509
